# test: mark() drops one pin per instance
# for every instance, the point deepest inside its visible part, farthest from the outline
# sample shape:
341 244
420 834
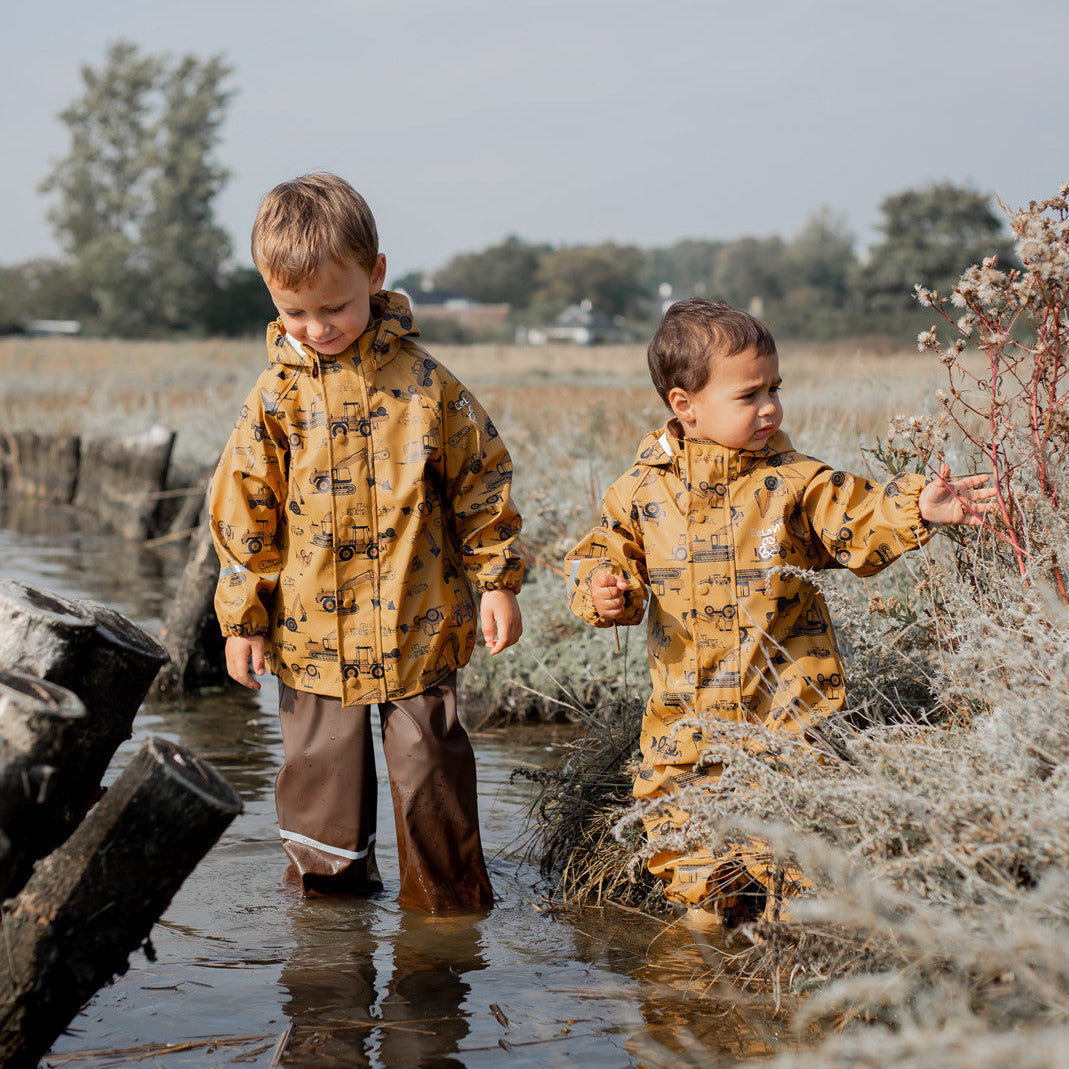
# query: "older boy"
362 494
716 502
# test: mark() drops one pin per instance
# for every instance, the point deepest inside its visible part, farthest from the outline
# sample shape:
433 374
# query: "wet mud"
244 973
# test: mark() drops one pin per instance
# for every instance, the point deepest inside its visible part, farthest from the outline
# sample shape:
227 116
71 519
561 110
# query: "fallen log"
94 900
37 720
98 654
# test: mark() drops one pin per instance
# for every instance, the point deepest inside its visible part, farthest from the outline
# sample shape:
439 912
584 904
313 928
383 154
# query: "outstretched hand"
962 502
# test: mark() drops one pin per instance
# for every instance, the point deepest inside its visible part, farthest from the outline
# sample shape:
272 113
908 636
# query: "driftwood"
99 655
94 900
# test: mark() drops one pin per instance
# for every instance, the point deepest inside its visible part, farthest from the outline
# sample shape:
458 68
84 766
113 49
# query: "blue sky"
579 121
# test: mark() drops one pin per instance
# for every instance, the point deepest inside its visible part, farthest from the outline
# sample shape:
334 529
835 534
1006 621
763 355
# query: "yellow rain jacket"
359 500
698 530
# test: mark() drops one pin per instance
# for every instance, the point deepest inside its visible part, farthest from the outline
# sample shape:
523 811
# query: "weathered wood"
40 465
120 479
37 722
191 631
94 900
98 654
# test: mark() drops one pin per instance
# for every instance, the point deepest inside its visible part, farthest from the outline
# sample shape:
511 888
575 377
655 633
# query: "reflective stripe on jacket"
359 500
700 530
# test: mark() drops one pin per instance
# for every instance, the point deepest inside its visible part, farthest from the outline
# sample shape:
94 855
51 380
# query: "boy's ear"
679 400
378 274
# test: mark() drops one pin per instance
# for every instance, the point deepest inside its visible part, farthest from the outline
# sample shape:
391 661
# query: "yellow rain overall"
699 530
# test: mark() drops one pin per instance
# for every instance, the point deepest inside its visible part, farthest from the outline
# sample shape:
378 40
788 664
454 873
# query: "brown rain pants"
326 797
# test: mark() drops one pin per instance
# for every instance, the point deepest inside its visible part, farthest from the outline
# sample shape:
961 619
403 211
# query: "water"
247 974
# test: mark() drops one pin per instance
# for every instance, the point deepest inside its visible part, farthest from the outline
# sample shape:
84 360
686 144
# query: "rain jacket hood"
359 501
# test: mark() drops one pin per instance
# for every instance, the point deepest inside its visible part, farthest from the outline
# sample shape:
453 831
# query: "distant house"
430 303
54 326
578 324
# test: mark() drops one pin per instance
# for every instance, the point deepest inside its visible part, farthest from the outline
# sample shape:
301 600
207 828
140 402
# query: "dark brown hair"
304 224
691 333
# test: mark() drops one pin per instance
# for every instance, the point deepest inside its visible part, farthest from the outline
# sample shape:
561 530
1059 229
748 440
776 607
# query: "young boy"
716 502
362 495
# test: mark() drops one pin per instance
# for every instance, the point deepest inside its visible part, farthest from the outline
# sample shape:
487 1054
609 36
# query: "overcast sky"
575 121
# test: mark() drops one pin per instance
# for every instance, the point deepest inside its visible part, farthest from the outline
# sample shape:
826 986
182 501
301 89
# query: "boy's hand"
500 615
239 652
608 592
956 502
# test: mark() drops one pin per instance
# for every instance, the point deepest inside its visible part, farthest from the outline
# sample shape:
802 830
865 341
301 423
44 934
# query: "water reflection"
349 1005
65 551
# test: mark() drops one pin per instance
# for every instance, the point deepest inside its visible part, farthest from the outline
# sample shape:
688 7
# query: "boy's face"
332 310
739 406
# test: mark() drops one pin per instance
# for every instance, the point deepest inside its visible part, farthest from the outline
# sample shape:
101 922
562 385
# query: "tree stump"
37 722
191 631
98 654
94 900
120 479
41 466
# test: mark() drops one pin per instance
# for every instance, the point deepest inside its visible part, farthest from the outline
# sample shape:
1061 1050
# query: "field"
935 825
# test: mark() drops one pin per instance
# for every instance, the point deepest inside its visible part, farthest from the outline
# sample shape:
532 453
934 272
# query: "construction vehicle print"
297 616
719 550
365 664
360 543
723 617
430 622
595 549
336 480
881 556
326 649
296 499
463 608
261 498
813 623
351 420
417 450
747 578
345 601
254 541
448 657
665 579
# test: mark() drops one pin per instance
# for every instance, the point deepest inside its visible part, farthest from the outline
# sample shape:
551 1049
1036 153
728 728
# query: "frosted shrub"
1014 412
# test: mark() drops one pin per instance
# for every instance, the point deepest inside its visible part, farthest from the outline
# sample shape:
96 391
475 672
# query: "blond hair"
306 223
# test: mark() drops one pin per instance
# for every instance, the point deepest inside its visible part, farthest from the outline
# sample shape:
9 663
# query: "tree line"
133 210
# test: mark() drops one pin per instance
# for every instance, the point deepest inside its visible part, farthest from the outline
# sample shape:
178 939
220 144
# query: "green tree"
609 275
749 270
687 266
504 273
134 193
930 235
40 289
819 260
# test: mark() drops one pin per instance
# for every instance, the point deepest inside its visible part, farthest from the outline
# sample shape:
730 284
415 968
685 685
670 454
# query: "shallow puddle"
245 974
